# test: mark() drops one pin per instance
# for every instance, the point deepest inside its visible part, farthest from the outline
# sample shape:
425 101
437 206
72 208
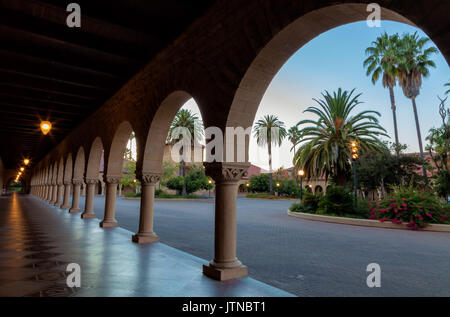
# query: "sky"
312 69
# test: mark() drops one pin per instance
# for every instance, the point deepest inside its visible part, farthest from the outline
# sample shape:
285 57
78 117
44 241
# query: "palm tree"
382 61
270 130
447 85
294 135
414 63
185 119
326 146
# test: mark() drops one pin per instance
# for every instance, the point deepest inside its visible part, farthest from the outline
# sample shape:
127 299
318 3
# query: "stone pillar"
55 194
90 194
83 191
145 233
49 195
110 202
76 196
120 190
60 192
225 265
65 204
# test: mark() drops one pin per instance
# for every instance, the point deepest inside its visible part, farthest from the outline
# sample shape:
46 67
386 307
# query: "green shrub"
132 195
261 195
159 192
413 206
288 188
260 183
311 201
338 200
301 208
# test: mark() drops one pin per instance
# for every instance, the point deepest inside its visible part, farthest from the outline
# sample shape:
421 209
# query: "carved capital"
149 178
67 183
226 172
91 181
77 182
113 179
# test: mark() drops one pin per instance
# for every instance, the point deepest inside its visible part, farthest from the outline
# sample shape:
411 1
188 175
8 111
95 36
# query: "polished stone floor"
38 241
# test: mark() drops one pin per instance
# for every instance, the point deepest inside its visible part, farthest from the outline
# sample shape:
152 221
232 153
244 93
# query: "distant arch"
94 159
117 150
159 129
80 161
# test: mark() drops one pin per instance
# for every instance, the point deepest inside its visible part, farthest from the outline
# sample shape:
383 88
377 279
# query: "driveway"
306 258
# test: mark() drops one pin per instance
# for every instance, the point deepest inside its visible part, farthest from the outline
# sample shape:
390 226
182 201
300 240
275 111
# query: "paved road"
303 257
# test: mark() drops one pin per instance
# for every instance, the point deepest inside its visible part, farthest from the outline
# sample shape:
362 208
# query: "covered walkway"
38 241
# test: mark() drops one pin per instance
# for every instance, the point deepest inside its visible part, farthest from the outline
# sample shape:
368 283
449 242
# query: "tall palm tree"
414 63
294 135
382 61
185 119
326 143
270 130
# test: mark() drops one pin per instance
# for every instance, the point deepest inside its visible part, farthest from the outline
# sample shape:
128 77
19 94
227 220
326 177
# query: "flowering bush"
410 205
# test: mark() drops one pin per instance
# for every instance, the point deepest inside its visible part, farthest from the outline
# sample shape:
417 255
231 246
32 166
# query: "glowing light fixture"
46 126
301 173
26 161
22 169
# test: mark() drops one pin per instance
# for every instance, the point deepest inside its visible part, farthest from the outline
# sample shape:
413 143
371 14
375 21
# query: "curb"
365 222
173 199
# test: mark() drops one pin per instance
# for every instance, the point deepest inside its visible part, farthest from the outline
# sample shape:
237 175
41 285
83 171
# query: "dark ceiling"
50 71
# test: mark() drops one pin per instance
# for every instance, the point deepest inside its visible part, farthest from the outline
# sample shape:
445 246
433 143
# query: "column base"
74 210
225 274
85 215
64 207
142 238
108 224
55 204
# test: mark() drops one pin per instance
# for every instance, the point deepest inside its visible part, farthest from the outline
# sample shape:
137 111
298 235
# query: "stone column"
49 192
76 196
145 233
110 202
90 194
60 192
225 265
55 194
65 204
83 191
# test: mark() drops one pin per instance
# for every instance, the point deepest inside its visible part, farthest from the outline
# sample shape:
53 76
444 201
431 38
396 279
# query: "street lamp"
26 161
301 173
354 159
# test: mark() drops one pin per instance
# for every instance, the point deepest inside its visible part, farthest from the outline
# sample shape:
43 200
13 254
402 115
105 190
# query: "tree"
414 63
447 85
294 135
326 146
270 130
185 119
439 149
383 169
168 171
129 174
195 180
382 61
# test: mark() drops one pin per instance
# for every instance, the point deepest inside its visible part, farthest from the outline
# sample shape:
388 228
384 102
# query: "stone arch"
159 129
78 167
60 178
114 163
318 189
95 156
68 170
275 52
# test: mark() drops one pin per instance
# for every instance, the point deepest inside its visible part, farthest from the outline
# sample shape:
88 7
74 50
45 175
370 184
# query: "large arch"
153 153
94 158
114 160
282 46
79 165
